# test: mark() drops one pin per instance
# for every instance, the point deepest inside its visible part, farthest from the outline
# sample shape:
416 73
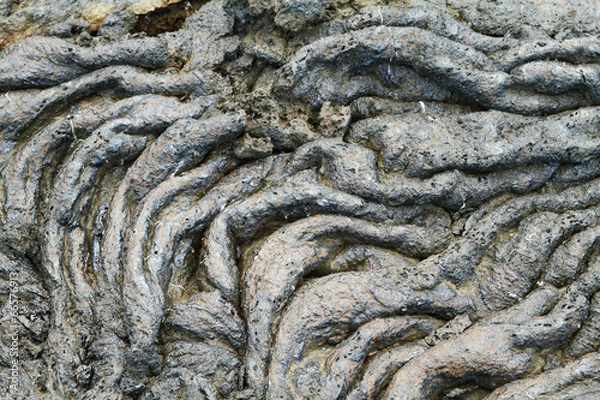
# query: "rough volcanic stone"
299 199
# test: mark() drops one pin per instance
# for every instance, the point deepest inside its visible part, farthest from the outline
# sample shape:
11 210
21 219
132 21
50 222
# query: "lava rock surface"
299 199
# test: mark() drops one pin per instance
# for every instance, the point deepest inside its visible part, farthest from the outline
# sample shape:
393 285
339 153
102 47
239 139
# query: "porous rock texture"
300 199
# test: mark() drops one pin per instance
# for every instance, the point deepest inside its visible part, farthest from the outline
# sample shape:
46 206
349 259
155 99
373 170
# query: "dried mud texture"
299 199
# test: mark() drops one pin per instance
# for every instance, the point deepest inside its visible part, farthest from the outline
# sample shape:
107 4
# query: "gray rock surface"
299 199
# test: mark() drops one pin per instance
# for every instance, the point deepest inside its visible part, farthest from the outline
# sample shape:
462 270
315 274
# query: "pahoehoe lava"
299 199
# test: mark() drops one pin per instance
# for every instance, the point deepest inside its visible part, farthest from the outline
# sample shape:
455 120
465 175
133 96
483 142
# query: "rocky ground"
300 199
